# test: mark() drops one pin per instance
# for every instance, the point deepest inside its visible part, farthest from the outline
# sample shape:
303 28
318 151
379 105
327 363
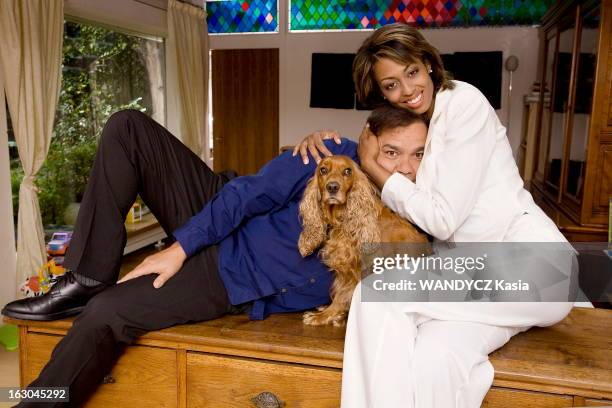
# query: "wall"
295 49
298 120
131 15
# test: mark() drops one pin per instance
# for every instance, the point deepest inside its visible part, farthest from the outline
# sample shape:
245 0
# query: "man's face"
401 149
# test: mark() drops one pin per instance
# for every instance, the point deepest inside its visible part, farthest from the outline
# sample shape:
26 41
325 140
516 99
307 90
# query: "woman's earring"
430 70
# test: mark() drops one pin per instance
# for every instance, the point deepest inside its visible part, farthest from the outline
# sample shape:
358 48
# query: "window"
242 17
103 71
16 170
317 15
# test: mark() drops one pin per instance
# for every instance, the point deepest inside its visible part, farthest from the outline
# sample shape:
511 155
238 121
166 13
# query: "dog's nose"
332 187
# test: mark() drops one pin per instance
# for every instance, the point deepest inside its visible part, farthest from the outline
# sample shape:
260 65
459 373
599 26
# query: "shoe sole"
43 317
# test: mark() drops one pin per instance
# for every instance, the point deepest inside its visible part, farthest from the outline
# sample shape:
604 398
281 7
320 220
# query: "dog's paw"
324 316
313 319
339 320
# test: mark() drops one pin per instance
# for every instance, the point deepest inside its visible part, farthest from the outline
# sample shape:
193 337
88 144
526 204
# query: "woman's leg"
402 353
383 358
451 365
377 351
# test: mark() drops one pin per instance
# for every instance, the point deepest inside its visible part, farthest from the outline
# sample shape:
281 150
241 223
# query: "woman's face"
405 86
401 149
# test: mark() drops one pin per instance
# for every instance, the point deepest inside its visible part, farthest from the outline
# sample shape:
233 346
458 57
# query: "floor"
9 370
9 360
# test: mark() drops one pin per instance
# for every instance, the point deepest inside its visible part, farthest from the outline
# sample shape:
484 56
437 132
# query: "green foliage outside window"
103 71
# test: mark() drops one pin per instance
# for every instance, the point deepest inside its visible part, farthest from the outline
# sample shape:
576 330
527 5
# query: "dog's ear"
314 226
362 209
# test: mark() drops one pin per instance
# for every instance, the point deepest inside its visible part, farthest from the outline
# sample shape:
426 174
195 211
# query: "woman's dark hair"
402 44
389 117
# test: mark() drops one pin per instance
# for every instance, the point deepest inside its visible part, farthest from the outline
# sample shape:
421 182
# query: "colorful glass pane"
370 14
242 16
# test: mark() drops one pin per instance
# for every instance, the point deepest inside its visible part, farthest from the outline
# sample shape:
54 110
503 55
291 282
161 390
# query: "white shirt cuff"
395 191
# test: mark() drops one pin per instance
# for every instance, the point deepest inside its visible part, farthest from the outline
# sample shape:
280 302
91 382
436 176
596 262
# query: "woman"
468 189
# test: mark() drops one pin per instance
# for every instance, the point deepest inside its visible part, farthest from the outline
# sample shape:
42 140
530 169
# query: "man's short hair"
389 117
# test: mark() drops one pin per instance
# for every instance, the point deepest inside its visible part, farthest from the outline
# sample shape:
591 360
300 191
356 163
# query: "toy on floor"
40 284
59 243
48 273
31 287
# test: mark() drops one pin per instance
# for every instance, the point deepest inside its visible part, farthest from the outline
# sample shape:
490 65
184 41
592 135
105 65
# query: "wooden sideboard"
228 362
569 160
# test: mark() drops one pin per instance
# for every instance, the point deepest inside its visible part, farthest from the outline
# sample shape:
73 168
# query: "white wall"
295 49
132 15
297 119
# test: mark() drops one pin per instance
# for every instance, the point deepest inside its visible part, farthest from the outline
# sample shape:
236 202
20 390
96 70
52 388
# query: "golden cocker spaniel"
341 211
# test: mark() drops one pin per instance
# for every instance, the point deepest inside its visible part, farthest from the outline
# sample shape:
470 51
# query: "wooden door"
245 109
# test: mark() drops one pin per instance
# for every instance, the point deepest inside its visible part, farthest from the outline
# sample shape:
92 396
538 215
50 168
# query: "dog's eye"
323 171
347 172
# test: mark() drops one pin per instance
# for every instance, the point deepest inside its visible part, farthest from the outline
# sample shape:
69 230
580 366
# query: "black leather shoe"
66 298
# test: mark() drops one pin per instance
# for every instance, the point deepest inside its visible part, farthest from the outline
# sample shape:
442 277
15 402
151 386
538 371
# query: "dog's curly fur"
343 222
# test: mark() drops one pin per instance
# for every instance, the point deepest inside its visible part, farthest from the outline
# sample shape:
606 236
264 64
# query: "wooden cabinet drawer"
144 376
215 381
510 398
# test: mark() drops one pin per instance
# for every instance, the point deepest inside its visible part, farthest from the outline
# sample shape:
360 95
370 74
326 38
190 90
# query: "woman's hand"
368 151
165 263
368 147
313 143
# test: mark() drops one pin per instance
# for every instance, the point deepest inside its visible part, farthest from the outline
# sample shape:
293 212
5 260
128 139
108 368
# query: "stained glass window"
369 14
246 16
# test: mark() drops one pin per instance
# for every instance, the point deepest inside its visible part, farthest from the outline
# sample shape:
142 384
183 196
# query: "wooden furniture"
228 362
572 175
526 159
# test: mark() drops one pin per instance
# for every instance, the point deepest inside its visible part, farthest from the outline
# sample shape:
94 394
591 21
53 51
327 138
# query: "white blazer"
468 187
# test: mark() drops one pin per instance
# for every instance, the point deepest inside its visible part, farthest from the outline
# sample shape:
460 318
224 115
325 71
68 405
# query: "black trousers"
135 156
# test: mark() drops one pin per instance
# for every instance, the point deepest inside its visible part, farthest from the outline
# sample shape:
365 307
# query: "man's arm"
278 182
282 179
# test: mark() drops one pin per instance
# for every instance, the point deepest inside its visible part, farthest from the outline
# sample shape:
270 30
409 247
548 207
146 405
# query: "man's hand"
165 263
313 143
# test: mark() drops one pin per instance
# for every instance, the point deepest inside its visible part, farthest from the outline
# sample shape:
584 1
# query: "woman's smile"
415 102
405 86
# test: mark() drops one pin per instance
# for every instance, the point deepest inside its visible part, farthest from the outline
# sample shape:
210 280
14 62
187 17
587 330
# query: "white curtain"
31 34
187 36
8 277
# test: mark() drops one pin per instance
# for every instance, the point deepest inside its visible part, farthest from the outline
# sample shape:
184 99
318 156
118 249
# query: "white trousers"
410 355
433 354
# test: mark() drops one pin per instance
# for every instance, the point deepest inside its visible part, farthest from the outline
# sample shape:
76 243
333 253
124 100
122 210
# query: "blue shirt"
255 221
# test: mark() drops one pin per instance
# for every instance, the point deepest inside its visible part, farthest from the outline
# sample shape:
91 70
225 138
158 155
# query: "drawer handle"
108 379
267 399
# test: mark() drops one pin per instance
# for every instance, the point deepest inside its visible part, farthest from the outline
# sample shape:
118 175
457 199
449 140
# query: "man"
235 250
